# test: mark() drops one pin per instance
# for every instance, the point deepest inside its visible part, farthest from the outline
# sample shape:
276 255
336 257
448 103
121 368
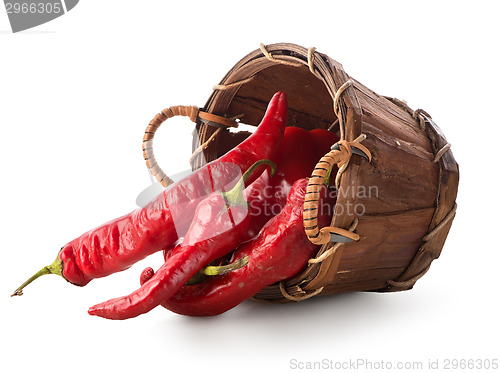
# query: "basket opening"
310 105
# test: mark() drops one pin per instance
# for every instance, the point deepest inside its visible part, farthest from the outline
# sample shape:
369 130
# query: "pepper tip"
92 311
280 95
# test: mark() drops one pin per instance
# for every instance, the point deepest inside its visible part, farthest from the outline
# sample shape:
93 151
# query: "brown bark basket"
406 193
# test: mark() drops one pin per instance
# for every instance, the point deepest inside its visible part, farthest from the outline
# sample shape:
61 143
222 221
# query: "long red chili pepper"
279 251
219 223
118 244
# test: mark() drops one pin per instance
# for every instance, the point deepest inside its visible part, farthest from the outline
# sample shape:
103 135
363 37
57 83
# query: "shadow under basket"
401 203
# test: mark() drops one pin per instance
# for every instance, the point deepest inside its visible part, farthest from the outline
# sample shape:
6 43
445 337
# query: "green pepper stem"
220 270
234 197
328 178
217 270
54 268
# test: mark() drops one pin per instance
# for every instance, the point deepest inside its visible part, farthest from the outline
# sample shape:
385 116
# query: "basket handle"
339 155
195 115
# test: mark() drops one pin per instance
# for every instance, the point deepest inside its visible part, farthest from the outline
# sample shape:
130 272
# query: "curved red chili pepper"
218 225
118 244
280 251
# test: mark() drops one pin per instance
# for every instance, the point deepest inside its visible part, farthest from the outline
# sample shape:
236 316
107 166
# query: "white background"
75 97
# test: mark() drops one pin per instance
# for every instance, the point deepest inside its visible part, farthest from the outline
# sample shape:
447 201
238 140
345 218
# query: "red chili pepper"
295 159
280 251
118 244
219 223
300 151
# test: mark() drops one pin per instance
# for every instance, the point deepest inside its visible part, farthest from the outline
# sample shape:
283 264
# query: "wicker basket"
405 196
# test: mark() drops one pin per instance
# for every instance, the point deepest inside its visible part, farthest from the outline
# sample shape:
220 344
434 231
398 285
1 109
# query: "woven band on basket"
318 178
